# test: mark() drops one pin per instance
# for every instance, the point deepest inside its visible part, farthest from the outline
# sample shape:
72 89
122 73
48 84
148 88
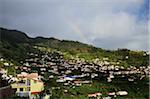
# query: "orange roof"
91 95
33 76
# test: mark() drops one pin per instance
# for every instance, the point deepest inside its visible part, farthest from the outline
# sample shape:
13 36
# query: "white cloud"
116 25
120 26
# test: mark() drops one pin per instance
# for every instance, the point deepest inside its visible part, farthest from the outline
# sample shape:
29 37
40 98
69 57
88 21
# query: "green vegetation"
136 91
15 44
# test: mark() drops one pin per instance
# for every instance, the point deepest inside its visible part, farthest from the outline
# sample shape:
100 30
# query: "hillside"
15 44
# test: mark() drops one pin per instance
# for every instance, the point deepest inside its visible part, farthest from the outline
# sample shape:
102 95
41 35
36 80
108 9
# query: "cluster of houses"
110 95
5 77
8 78
22 85
55 64
75 71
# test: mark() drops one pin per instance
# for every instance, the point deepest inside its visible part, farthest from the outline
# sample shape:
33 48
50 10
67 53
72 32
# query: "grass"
136 91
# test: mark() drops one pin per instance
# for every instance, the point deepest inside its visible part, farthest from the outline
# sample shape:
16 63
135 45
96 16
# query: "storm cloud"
109 24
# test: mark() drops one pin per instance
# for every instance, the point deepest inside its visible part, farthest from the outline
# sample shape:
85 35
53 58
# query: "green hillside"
15 44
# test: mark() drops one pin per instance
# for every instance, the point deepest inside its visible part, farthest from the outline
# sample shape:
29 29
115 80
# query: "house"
111 93
98 94
43 69
122 93
3 71
91 96
28 85
69 78
6 64
60 80
95 95
12 79
1 59
5 77
109 79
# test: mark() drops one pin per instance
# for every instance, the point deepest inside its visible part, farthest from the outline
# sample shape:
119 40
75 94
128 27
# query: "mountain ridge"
15 44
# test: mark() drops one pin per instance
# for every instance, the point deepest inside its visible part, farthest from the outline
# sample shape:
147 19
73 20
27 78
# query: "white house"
122 93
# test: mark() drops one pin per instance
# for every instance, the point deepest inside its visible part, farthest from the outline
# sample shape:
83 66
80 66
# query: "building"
28 85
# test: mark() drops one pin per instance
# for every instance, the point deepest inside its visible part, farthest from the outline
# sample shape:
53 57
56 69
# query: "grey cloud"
115 43
86 21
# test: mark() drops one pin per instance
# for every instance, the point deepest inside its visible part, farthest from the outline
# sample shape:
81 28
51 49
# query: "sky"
108 24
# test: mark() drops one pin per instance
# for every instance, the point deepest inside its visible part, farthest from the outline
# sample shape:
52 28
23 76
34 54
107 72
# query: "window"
28 82
21 89
22 82
28 89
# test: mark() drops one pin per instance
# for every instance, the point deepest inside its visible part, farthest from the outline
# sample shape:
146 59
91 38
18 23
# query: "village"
74 49
33 78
